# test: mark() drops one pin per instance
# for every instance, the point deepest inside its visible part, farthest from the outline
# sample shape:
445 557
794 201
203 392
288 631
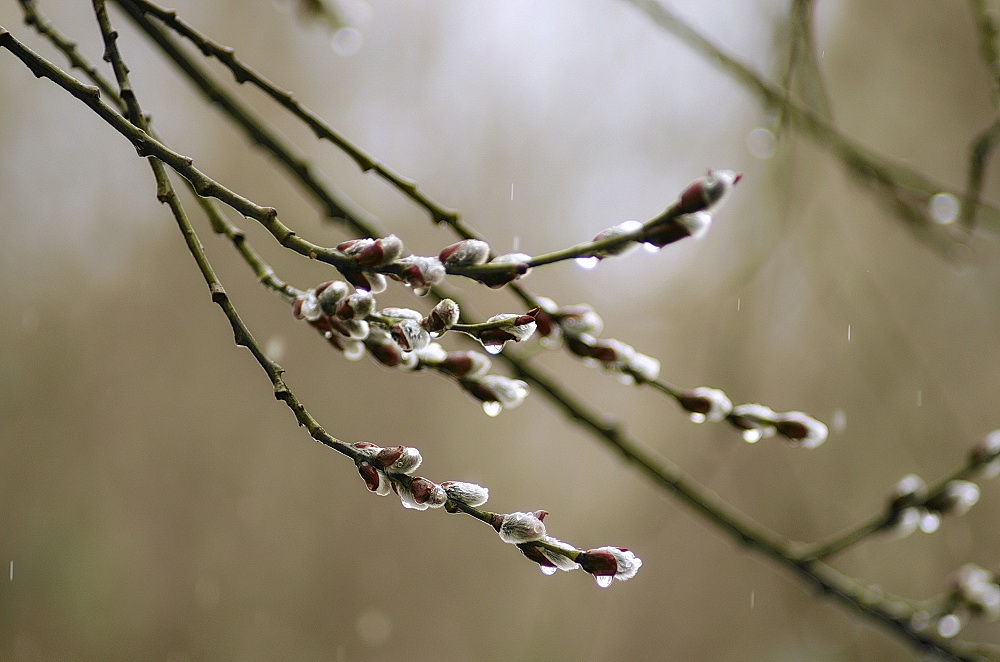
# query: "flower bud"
549 559
706 404
369 281
667 230
409 335
547 326
642 368
756 421
977 588
427 493
465 253
366 448
515 327
353 350
409 361
383 348
518 267
329 294
561 561
401 313
903 522
374 252
955 498
469 494
406 497
442 317
911 490
420 273
579 319
517 528
359 305
986 454
801 429
497 388
468 365
375 479
706 192
620 230
307 307
434 354
356 329
398 459
608 563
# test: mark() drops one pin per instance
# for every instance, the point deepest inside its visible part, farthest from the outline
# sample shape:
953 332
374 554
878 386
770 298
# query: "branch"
383 469
905 192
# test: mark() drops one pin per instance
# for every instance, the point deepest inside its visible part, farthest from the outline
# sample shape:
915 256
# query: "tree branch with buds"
346 315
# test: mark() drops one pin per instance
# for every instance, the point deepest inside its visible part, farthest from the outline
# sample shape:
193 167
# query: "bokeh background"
159 504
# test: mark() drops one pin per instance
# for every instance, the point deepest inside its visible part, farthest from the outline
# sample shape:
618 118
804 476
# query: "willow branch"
986 142
889 519
671 479
362 454
902 190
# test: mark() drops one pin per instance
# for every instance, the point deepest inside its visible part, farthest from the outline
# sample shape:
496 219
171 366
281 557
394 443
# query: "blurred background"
159 503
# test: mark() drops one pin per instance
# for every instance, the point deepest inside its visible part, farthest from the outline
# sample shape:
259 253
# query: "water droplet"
492 408
346 41
930 522
604 581
752 436
275 347
697 417
761 143
944 208
493 349
949 626
548 569
373 626
353 351
587 262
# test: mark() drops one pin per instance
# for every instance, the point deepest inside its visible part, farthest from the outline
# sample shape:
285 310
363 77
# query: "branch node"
218 293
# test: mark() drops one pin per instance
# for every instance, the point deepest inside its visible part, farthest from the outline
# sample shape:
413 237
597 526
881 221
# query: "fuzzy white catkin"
521 527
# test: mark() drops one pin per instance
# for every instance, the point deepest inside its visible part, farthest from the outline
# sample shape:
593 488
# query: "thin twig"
987 141
243 337
887 519
671 480
902 190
